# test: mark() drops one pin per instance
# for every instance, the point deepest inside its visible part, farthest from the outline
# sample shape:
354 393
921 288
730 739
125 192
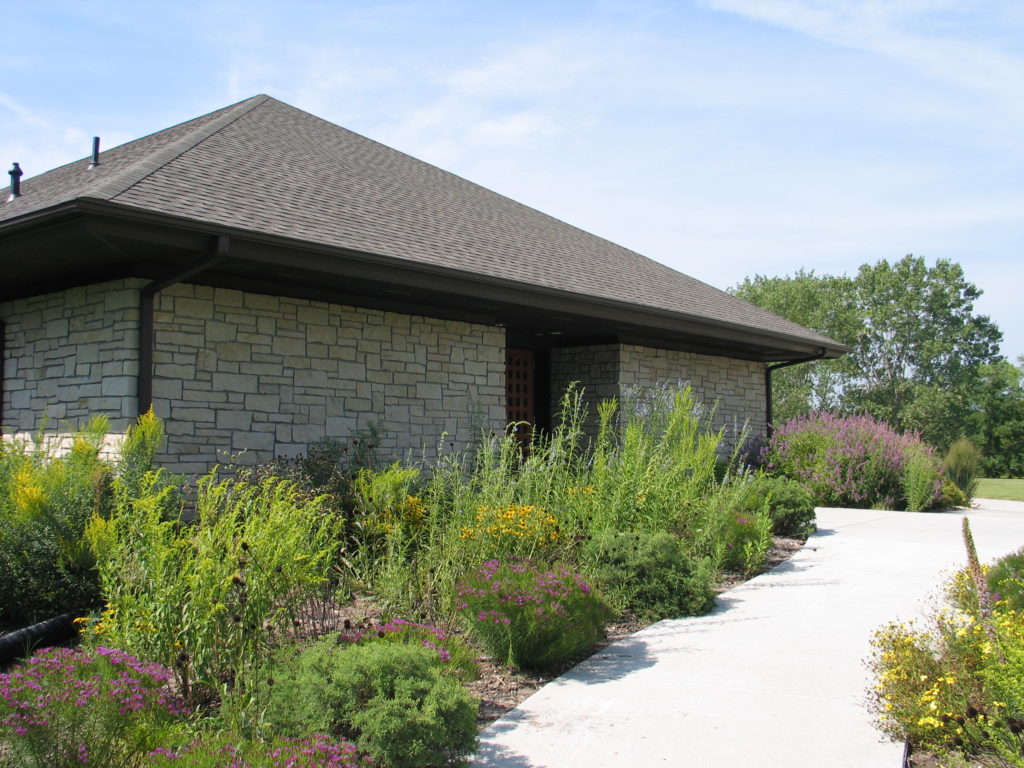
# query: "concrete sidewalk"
774 676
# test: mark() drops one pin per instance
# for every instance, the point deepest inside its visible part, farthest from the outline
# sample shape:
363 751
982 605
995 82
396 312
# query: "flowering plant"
853 461
222 751
530 615
67 707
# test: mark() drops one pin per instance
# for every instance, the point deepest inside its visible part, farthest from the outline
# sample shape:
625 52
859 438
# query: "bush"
953 496
531 616
649 575
1005 579
789 504
206 598
851 461
395 701
64 708
922 481
453 652
955 687
962 465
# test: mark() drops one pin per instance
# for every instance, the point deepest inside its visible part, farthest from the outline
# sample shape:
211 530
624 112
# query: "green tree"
918 347
999 419
819 303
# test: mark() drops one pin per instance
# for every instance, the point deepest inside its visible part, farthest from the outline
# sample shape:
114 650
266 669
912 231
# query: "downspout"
3 355
768 383
147 338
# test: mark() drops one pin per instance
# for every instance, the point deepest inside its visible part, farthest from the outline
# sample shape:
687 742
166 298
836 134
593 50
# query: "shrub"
953 496
956 686
453 652
67 707
789 504
227 750
922 481
851 461
395 701
962 464
529 615
1005 580
206 598
745 540
648 574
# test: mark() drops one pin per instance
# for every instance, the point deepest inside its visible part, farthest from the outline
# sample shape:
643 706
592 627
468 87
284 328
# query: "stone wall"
70 355
596 368
735 388
255 377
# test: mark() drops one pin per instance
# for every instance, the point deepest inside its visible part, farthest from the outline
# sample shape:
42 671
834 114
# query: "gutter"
147 333
821 354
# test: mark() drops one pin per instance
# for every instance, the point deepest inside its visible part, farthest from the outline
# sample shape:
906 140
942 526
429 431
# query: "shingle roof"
267 167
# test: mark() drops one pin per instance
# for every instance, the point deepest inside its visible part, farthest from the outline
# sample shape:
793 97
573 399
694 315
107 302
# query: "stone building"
266 279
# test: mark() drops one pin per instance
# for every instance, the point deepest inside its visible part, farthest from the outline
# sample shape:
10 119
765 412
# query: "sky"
724 138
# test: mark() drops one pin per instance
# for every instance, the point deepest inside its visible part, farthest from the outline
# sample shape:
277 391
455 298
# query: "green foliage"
45 502
648 574
789 504
962 465
952 496
921 477
956 686
395 701
918 349
854 461
1005 579
457 656
745 540
530 615
230 750
64 708
998 427
206 597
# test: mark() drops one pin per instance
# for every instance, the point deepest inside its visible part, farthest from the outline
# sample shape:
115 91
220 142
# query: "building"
265 278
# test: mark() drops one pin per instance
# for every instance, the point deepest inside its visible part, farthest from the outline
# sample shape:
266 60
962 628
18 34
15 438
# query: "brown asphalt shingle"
264 166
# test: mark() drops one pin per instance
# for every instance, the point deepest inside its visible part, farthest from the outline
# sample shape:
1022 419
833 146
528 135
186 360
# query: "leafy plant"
648 574
1005 580
853 461
456 655
955 686
65 707
228 750
395 701
206 598
530 615
789 504
922 481
963 465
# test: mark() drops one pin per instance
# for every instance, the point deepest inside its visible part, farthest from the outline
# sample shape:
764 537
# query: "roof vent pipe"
15 173
95 152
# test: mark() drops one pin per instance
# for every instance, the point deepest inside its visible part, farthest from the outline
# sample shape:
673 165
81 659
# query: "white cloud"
922 33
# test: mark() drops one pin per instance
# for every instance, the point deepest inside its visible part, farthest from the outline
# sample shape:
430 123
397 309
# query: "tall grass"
651 467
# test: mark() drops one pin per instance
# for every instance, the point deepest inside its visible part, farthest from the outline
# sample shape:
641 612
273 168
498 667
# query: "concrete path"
774 676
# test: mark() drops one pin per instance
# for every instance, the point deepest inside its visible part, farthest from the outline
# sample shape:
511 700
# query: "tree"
918 347
999 419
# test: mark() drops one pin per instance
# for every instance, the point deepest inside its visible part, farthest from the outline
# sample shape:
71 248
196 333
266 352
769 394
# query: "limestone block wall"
256 377
69 355
734 387
596 368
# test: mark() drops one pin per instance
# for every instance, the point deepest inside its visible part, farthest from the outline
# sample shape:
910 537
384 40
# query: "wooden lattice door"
520 402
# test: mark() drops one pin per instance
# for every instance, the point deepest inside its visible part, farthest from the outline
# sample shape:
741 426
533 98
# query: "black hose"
20 643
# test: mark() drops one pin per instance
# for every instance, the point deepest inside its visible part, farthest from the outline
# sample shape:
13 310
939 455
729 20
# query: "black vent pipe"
15 173
95 152
768 383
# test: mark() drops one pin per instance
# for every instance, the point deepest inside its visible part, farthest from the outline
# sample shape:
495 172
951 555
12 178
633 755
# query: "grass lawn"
996 488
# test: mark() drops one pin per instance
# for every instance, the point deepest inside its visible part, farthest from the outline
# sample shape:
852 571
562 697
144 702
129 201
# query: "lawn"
999 488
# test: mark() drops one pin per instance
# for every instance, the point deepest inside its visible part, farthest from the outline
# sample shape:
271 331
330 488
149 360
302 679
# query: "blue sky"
725 138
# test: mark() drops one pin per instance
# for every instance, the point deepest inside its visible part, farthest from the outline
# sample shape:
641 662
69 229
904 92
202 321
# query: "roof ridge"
121 183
